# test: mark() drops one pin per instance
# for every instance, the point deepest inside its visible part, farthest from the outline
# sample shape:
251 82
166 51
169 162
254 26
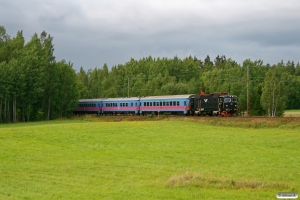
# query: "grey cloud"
91 33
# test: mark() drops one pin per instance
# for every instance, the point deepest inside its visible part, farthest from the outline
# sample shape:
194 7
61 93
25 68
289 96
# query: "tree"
68 92
274 94
50 73
32 61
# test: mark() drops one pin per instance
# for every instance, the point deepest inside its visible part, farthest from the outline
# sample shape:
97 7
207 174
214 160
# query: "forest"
34 86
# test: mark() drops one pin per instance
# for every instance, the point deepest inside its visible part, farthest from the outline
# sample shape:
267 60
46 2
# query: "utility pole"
248 96
128 88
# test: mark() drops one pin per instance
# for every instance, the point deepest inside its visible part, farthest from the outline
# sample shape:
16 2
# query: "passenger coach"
173 104
89 106
120 105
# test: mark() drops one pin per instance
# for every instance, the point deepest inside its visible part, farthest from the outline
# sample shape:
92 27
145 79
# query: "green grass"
78 159
288 111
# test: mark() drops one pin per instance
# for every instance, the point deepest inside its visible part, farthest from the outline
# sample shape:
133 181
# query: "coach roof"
122 99
89 100
184 96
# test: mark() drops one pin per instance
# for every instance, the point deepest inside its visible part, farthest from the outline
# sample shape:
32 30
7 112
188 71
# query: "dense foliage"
271 88
33 85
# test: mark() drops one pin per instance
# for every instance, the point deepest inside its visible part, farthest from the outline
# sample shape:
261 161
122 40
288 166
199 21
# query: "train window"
160 103
150 103
164 103
144 103
177 103
167 103
174 103
170 103
226 100
131 104
147 103
234 99
185 103
126 104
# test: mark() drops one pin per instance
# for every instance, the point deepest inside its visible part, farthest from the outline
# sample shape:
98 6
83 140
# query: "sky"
89 33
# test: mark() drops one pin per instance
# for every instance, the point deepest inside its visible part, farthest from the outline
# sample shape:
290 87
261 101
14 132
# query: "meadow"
158 159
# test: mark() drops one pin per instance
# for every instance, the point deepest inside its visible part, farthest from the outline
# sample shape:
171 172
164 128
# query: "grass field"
168 159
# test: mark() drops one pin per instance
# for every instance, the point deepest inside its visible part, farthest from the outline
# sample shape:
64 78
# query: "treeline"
33 85
271 88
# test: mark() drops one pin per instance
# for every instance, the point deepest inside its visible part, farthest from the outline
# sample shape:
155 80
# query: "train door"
220 104
199 106
192 103
193 107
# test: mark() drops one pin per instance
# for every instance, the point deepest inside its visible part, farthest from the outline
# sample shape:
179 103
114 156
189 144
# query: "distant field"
292 113
169 159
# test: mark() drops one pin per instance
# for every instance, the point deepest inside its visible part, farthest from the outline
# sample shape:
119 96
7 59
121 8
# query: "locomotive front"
228 105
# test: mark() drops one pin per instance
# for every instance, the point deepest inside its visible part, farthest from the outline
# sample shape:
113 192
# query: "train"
214 104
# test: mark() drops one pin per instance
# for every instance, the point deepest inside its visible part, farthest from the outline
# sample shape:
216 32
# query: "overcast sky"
90 33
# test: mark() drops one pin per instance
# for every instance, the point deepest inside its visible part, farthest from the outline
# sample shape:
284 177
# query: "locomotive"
190 104
214 104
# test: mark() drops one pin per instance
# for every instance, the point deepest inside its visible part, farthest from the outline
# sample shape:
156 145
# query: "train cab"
227 105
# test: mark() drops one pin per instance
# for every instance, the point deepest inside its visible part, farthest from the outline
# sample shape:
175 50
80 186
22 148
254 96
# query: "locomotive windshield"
227 99
234 99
